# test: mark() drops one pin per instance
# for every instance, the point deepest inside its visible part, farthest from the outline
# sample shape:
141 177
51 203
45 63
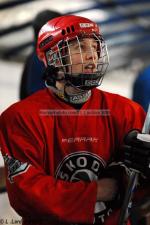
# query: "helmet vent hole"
72 28
63 32
68 29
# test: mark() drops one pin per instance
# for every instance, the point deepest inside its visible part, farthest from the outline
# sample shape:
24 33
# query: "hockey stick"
124 214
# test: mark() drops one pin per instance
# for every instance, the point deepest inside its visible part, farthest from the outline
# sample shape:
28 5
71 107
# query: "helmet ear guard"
51 75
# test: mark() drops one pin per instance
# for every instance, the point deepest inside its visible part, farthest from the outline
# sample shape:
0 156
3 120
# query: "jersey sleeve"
130 117
32 192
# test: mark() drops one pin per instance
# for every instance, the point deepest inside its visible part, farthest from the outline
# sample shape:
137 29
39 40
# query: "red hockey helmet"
62 28
53 47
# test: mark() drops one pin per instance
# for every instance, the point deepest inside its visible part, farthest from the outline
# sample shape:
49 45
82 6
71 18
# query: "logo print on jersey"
15 167
80 165
88 167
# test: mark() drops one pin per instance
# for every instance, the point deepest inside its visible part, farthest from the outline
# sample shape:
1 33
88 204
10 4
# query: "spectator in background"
31 80
141 88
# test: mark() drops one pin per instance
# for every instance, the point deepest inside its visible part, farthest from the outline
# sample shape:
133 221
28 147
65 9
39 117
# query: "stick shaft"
146 127
128 198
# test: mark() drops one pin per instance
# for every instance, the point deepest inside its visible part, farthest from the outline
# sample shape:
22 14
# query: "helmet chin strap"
71 94
75 95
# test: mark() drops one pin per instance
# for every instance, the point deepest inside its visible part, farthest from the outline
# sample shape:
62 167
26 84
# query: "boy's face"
83 56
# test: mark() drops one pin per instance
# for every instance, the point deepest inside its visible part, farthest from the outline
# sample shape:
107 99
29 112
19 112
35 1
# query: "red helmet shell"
63 28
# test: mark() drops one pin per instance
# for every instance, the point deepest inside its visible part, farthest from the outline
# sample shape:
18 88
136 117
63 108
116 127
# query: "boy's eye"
94 46
76 46
82 45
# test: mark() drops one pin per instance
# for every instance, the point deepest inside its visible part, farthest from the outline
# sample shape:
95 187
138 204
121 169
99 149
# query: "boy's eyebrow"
91 41
75 42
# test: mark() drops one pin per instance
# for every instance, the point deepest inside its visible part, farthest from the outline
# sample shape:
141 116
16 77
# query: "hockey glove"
137 152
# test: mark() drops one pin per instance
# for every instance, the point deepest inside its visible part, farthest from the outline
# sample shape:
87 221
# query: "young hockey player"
62 145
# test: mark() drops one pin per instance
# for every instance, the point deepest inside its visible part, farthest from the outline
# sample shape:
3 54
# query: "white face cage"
82 59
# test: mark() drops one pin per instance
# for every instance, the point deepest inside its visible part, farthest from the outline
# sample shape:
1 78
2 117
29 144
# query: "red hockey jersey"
54 154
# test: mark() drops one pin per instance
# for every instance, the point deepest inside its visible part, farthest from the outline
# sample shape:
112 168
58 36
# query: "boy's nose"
91 55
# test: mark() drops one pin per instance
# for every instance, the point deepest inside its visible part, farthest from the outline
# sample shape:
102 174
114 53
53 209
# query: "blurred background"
125 25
